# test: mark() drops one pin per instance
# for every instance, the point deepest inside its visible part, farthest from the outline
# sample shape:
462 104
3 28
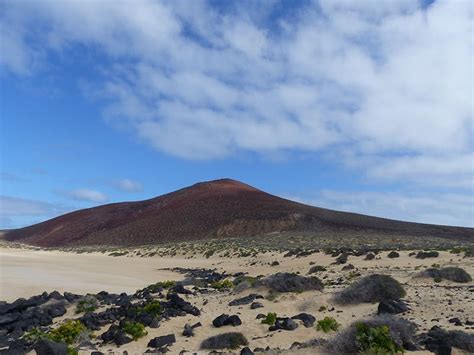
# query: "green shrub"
222 285
87 304
35 335
376 340
67 332
327 324
153 308
270 319
135 330
249 279
167 284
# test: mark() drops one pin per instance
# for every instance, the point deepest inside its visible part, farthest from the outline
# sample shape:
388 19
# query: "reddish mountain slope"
221 208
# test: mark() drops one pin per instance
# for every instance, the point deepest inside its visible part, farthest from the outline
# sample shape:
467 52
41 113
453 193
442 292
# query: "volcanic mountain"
214 209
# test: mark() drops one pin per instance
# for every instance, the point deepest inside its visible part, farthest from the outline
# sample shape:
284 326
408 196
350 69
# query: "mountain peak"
225 183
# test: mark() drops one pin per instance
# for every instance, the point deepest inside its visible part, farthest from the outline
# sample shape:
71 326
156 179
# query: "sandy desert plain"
426 311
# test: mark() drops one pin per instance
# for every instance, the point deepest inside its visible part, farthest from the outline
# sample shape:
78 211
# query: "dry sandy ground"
28 272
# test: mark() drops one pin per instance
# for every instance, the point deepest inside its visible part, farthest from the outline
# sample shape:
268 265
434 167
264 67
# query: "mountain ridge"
213 209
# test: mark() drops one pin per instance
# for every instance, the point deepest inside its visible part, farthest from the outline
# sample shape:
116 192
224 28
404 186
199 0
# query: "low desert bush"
242 283
135 330
316 268
87 304
270 319
232 340
222 285
451 273
376 340
67 332
287 282
327 324
381 335
372 288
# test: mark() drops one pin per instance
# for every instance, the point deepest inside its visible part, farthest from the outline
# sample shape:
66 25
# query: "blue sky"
362 106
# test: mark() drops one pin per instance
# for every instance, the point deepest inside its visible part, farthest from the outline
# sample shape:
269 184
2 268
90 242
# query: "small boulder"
307 319
342 259
225 319
256 305
393 254
246 351
392 307
188 331
284 323
233 321
48 347
348 267
245 300
369 256
220 320
427 254
161 341
316 268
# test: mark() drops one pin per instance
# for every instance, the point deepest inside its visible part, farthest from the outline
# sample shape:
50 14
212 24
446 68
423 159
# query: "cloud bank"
127 185
383 89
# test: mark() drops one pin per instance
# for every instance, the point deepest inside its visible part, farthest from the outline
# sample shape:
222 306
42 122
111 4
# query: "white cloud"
128 185
434 208
385 88
86 195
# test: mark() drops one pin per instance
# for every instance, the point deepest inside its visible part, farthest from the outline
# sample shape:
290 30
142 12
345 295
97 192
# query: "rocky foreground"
302 301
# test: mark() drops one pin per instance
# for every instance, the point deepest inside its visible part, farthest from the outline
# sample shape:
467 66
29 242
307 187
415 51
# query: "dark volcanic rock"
246 351
220 320
225 319
256 305
342 259
48 347
188 331
177 306
427 254
233 320
370 256
393 254
392 307
161 341
115 334
307 319
245 300
316 268
179 288
284 323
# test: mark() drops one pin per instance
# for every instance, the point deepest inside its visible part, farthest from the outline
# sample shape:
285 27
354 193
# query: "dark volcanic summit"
220 208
